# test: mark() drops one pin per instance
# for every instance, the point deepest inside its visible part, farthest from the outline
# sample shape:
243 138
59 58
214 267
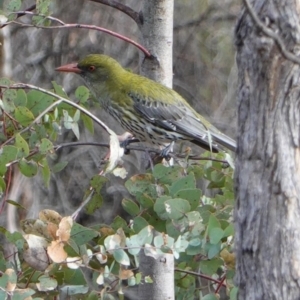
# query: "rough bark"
267 211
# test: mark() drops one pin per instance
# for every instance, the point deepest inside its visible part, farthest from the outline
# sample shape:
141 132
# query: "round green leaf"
22 146
28 168
81 235
139 223
191 195
13 5
45 146
23 115
8 100
82 93
176 208
121 257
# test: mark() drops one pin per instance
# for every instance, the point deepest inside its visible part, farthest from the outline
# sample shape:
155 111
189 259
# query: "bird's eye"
92 68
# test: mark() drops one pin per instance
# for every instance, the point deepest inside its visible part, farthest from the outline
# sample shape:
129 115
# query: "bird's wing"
177 117
175 114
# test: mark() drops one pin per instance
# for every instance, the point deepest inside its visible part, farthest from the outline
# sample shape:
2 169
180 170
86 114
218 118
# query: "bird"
150 111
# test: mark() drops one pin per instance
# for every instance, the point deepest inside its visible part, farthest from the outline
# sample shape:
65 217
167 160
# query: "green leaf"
5 81
12 5
168 175
210 297
74 277
187 182
212 249
139 223
23 115
229 230
131 207
47 283
15 238
21 98
160 208
82 94
88 123
215 235
28 168
59 90
45 146
81 235
42 7
8 99
210 267
95 203
4 281
139 183
145 200
3 294
7 154
194 247
68 120
119 222
22 146
16 204
59 166
2 185
45 171
76 116
233 293
37 101
75 129
193 196
121 257
177 208
97 182
73 290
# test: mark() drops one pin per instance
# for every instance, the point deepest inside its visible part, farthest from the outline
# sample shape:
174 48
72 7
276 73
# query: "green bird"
149 110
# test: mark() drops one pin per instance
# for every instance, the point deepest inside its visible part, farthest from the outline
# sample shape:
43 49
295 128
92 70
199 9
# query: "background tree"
267 176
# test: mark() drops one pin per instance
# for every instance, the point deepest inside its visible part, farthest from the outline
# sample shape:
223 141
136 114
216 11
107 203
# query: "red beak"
69 68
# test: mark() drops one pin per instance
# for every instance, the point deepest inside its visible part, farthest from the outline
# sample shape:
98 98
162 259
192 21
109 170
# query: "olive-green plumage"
150 111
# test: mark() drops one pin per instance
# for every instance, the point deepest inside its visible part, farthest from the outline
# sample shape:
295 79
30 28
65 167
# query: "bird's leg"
165 152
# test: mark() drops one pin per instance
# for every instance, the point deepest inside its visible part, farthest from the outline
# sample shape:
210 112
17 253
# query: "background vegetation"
204 74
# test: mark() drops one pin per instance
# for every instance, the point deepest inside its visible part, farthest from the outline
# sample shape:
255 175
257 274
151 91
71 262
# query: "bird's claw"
165 153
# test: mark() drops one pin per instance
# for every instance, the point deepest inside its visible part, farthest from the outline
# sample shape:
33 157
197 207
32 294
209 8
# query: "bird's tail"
224 140
217 139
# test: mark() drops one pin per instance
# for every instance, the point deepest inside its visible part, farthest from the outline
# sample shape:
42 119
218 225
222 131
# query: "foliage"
167 211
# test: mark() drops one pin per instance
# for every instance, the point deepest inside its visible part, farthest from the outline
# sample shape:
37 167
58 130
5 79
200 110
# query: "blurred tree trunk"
267 165
157 35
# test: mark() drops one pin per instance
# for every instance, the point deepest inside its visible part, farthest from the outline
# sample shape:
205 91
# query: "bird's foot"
165 153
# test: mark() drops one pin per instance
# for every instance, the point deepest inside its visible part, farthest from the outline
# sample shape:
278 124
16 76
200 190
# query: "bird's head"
94 68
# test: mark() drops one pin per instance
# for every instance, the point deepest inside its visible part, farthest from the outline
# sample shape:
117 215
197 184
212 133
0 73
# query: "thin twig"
83 26
270 33
123 8
21 14
200 275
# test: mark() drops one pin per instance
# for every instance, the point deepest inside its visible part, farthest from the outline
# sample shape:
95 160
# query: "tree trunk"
157 35
267 179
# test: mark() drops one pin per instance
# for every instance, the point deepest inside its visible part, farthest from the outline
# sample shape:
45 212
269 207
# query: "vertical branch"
157 35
